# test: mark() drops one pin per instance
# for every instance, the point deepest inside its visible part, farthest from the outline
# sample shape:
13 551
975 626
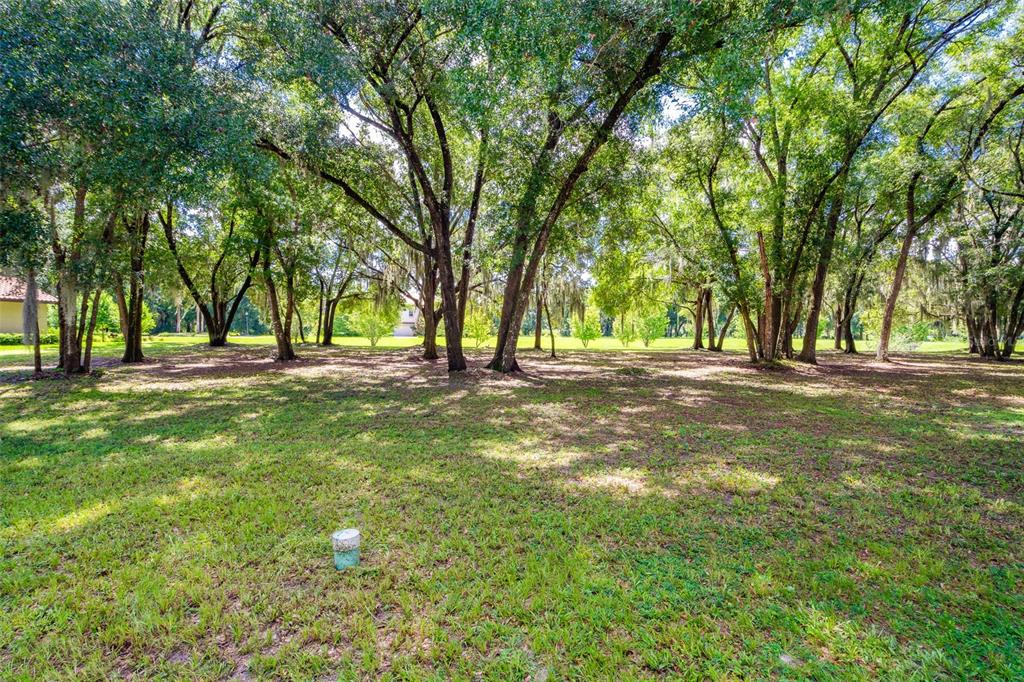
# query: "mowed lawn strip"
605 515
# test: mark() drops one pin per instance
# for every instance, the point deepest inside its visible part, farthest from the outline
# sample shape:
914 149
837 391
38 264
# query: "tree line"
781 169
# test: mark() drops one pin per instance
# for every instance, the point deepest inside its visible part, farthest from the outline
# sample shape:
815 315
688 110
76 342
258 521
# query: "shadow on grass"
700 518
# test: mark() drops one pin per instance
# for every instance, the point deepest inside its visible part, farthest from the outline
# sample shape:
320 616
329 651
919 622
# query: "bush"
627 334
373 323
478 326
49 336
920 331
652 327
587 330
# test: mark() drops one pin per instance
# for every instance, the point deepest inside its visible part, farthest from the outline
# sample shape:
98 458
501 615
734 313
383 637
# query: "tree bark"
138 232
218 316
882 353
808 352
429 297
537 321
526 257
551 327
698 320
87 361
725 328
710 310
285 352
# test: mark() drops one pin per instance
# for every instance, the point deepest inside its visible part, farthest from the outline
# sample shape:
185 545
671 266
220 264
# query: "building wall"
10 317
407 322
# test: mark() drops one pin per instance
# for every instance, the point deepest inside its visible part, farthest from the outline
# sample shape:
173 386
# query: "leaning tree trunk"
530 243
882 353
808 351
725 329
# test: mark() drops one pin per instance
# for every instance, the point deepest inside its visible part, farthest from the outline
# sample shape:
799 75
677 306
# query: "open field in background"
606 515
10 356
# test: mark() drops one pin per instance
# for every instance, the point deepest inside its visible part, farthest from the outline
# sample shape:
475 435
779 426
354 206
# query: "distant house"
12 298
407 322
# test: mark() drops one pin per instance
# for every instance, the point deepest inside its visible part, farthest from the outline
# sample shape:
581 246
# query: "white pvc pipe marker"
346 548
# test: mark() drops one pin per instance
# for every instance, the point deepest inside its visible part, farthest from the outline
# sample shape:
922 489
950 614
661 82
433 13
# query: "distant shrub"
478 326
49 336
627 334
587 330
920 331
652 327
373 323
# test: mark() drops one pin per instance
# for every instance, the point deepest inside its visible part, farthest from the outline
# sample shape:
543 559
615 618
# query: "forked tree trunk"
216 318
531 233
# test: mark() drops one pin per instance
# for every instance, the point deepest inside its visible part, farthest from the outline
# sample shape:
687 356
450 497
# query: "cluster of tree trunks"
214 312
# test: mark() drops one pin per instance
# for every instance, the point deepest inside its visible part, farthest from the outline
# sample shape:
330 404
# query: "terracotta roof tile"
13 289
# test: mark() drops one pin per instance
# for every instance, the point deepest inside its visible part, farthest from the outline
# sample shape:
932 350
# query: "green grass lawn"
158 345
605 515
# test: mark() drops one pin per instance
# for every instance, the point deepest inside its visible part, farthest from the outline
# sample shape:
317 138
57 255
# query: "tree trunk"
72 350
772 303
753 339
138 232
298 318
725 328
698 320
710 309
285 352
177 314
551 327
531 231
217 318
838 341
320 313
537 321
122 306
87 361
882 353
808 352
61 330
429 302
1014 323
